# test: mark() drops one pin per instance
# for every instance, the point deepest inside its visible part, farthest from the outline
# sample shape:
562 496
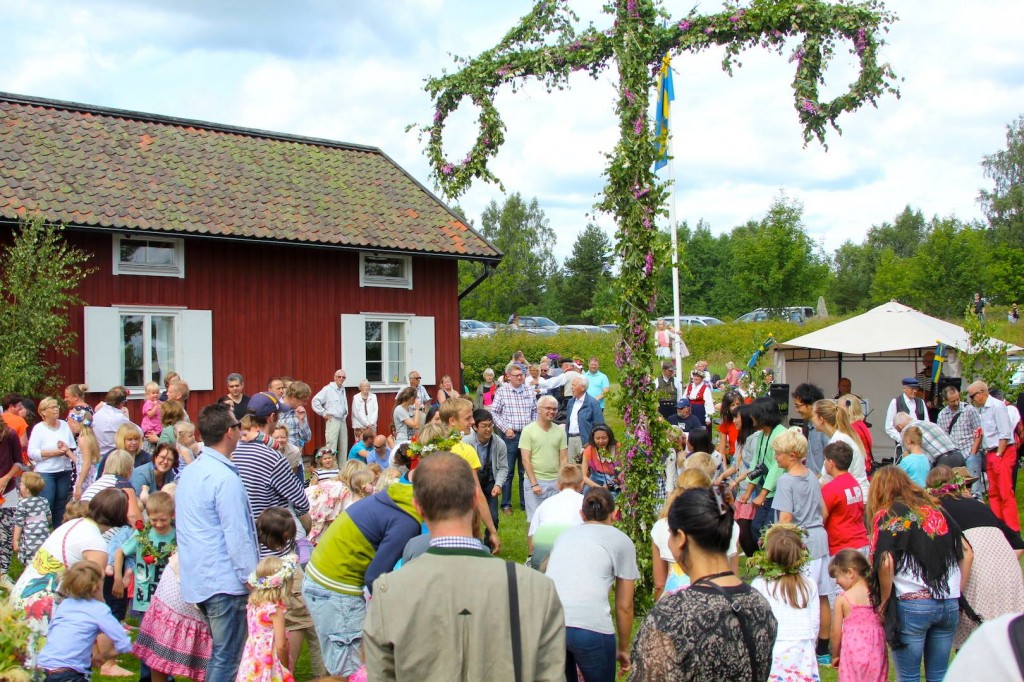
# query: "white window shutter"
353 349
196 364
102 348
422 349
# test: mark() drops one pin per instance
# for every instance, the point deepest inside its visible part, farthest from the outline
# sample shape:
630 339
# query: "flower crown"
275 580
418 450
950 487
83 415
769 570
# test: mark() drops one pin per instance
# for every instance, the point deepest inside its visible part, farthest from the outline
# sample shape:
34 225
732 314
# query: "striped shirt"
269 482
513 408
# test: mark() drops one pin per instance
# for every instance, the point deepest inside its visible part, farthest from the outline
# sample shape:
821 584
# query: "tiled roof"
103 168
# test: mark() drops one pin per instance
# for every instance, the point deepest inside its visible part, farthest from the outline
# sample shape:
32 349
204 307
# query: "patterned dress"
33 517
173 637
259 659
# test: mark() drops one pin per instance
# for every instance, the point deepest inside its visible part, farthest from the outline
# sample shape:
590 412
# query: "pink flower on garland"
709 30
648 264
809 106
631 7
447 169
861 42
640 191
798 56
437 116
638 126
684 25
630 97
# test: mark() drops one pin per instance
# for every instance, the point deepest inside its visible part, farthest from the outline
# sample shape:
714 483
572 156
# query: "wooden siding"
276 311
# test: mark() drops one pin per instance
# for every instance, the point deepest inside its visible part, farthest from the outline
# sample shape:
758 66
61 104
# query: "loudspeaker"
955 382
780 394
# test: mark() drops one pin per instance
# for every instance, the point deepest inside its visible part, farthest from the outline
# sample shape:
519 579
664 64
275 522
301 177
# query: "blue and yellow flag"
768 343
940 359
666 94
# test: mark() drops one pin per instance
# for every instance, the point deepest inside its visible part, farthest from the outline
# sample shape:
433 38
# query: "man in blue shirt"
599 384
217 546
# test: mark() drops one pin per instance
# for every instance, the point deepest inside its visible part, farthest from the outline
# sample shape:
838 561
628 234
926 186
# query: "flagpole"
675 262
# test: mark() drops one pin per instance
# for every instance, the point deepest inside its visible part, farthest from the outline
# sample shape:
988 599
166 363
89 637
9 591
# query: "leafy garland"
952 487
151 554
546 45
417 450
769 570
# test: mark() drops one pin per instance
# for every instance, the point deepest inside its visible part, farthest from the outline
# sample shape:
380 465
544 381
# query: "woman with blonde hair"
834 421
446 391
80 421
51 448
855 409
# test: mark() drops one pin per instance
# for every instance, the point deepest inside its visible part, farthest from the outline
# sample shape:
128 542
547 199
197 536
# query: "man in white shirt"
416 381
108 419
331 403
909 403
556 514
1000 452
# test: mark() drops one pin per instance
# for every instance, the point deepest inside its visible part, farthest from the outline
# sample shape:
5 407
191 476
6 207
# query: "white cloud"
354 71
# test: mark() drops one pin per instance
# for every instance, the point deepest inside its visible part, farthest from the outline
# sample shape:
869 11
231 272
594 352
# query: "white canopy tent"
875 351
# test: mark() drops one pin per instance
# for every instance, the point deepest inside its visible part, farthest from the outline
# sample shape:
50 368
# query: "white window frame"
420 349
104 354
366 280
176 269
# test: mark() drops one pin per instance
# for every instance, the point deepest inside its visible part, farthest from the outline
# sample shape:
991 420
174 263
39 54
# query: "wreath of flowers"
275 580
770 570
949 488
152 554
418 450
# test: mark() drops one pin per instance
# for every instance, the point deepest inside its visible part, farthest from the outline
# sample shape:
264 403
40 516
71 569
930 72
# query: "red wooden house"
222 249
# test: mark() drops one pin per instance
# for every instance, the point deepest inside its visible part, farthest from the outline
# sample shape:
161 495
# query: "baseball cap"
683 402
262 405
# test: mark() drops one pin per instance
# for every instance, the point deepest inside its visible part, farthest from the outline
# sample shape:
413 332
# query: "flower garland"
769 570
952 487
417 450
275 580
152 554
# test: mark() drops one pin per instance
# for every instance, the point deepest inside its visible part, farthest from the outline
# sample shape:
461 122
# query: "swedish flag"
666 94
768 343
940 359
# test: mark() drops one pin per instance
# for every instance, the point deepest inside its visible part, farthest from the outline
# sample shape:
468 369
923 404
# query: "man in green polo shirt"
545 449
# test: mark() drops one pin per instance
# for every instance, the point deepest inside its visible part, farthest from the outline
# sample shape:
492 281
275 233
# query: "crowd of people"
233 543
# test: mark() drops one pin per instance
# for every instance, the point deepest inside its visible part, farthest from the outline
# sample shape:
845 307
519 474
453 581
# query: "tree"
584 270
545 45
985 359
776 264
1004 205
903 235
37 289
849 287
521 232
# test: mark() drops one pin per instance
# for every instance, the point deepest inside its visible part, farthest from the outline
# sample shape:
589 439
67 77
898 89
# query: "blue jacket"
590 415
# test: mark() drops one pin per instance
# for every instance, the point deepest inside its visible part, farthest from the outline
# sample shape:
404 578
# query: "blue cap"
911 381
262 405
683 402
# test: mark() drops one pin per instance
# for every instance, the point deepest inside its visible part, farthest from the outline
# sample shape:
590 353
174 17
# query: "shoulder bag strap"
513 609
64 544
952 422
748 639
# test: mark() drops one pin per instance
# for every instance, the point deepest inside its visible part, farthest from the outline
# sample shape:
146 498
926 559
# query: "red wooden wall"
276 311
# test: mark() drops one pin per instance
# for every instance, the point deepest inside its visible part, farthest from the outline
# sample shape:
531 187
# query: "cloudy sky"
353 71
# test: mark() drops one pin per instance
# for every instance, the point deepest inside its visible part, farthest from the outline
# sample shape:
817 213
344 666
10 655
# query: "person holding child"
151 423
782 580
265 656
858 639
82 627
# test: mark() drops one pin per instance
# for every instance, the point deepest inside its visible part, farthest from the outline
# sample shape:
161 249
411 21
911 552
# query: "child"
151 423
75 510
265 657
798 501
858 639
173 638
75 625
326 467
914 461
276 528
844 502
151 545
32 519
793 598
360 486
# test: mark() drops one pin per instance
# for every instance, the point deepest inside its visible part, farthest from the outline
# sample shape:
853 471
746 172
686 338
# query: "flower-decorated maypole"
547 46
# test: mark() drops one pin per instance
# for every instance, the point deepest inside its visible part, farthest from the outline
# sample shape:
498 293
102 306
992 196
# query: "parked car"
690 320
1017 365
609 327
585 328
469 329
792 314
541 326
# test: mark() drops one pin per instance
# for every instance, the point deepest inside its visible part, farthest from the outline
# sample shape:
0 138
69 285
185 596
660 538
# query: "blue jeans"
975 465
225 614
764 516
56 492
339 626
515 460
594 654
926 628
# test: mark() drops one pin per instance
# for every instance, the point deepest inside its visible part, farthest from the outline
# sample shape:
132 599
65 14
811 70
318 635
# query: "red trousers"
1001 495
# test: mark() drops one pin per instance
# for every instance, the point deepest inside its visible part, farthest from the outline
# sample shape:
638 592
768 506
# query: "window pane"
159 253
133 252
374 350
162 342
374 371
385 267
396 352
132 370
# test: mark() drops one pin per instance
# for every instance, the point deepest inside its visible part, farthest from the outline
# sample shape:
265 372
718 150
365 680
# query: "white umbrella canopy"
889 327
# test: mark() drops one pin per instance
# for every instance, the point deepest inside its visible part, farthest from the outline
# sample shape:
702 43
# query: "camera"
758 474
